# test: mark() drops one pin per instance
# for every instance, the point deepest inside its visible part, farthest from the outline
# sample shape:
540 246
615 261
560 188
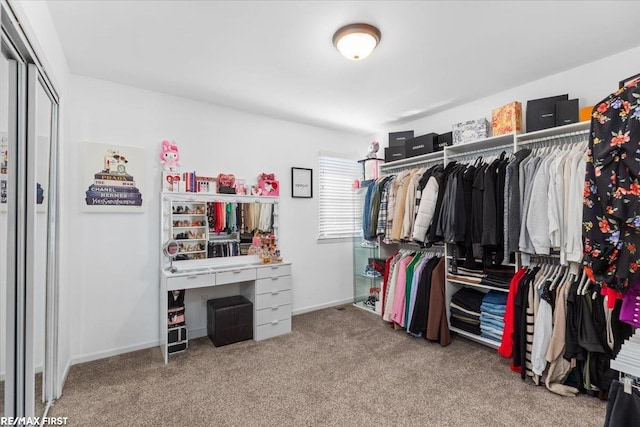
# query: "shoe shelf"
477 338
361 305
189 228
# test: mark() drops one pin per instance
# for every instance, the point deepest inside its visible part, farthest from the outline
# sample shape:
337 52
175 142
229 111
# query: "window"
338 213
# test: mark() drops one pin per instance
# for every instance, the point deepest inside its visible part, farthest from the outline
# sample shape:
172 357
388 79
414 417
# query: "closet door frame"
20 323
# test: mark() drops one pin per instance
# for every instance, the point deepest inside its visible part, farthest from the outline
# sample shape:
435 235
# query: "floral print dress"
611 215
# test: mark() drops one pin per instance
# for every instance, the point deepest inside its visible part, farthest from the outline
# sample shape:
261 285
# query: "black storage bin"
541 113
423 144
445 140
178 334
394 153
398 139
177 348
567 112
229 320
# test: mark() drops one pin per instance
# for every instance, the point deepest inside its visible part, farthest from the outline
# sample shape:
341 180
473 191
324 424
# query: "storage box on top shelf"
471 130
506 119
206 184
585 113
394 153
541 113
445 140
567 112
269 187
423 144
398 139
171 181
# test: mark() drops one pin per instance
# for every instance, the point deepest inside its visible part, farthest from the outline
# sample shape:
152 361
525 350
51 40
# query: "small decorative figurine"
169 156
373 150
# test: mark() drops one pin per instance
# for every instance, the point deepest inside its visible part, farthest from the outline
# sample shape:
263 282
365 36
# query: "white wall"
589 83
36 21
115 257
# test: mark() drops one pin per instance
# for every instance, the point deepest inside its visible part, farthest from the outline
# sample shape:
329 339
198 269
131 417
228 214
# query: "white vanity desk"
267 286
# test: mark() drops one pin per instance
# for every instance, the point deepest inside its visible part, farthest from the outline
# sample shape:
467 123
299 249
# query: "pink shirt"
397 315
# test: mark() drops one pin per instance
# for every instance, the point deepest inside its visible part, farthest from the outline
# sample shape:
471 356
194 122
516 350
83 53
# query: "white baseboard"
104 354
321 306
197 333
63 380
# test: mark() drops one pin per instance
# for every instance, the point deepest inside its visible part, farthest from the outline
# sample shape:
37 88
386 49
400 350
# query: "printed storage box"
470 131
506 119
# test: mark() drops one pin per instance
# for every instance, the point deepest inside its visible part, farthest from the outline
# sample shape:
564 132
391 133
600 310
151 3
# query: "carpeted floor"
337 367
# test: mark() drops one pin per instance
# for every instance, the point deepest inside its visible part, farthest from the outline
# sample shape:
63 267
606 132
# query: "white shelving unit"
189 228
493 145
361 254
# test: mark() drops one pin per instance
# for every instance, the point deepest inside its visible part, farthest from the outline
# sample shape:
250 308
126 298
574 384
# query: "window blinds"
338 216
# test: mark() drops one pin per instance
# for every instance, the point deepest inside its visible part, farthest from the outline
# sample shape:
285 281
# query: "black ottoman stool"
229 320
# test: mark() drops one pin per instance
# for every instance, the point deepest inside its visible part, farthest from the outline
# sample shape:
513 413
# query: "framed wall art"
114 178
302 183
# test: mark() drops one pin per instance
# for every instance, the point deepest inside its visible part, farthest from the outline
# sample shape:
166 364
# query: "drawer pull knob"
274 278
192 277
236 271
275 292
274 308
275 322
274 268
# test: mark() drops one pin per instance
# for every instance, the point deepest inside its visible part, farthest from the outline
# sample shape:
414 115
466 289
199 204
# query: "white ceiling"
276 57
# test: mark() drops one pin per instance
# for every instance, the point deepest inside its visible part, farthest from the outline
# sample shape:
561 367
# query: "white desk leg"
164 303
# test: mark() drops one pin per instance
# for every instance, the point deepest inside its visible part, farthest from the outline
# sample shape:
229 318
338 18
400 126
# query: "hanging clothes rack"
471 155
569 137
413 165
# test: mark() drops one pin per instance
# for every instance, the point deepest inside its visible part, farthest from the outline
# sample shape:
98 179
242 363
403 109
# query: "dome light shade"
356 41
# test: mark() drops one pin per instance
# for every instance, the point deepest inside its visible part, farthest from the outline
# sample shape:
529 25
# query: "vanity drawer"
273 329
235 276
274 298
277 312
273 284
191 282
274 271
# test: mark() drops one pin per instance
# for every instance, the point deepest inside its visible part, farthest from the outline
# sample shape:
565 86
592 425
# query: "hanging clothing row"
468 217
223 249
543 201
399 208
413 294
556 320
244 217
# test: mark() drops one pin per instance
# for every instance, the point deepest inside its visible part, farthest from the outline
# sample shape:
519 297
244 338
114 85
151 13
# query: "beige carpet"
341 368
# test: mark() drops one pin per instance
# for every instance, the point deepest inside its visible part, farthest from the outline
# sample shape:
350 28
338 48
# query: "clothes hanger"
582 283
557 279
564 279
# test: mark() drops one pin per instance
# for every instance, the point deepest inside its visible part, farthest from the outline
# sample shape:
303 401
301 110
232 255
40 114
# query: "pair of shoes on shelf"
370 302
368 244
369 271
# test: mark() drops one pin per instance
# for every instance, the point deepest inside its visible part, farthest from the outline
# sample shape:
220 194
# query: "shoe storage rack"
367 281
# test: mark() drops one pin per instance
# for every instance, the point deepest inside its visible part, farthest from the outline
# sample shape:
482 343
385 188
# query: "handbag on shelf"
175 316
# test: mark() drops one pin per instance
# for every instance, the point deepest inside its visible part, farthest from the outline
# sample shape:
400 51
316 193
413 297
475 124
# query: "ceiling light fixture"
356 41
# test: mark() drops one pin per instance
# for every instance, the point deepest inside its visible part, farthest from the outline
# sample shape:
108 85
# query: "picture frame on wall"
301 183
113 178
